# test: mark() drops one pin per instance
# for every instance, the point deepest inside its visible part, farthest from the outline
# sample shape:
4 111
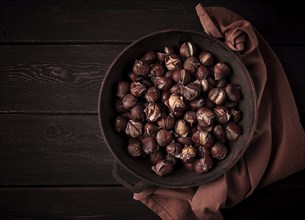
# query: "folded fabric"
278 146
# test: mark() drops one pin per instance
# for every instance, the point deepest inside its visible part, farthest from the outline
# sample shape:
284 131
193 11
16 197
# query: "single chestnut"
141 68
164 137
120 123
188 154
219 132
181 128
190 117
150 145
217 96
221 70
177 89
188 49
152 112
134 77
173 62
134 129
129 101
171 159
202 72
204 164
175 103
137 89
206 58
233 92
122 89
152 94
205 117
219 151
157 70
232 131
163 167
134 148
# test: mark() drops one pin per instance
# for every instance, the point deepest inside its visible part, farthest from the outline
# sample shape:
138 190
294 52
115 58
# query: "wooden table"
54 163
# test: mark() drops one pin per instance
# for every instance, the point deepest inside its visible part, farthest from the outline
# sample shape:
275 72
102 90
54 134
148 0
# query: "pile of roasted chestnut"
179 105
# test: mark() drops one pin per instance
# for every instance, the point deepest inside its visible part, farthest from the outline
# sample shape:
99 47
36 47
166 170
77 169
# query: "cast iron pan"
117 143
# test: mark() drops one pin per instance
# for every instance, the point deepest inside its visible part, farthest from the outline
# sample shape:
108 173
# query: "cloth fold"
277 149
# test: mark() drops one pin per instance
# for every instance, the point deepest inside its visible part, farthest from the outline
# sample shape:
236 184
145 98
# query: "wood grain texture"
53 150
282 199
67 78
107 203
53 78
119 21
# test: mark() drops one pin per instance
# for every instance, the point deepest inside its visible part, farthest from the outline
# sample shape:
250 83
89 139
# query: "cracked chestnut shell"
188 49
202 72
141 68
175 103
134 148
188 154
163 167
206 58
217 96
219 151
134 129
157 70
152 112
173 62
182 76
203 138
204 164
181 128
190 117
222 114
205 117
232 131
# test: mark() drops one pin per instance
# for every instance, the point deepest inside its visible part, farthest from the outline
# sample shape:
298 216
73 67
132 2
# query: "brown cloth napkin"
278 146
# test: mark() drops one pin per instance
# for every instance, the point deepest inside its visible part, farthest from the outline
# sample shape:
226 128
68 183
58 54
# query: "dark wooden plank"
107 203
119 21
53 150
282 199
67 78
56 78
